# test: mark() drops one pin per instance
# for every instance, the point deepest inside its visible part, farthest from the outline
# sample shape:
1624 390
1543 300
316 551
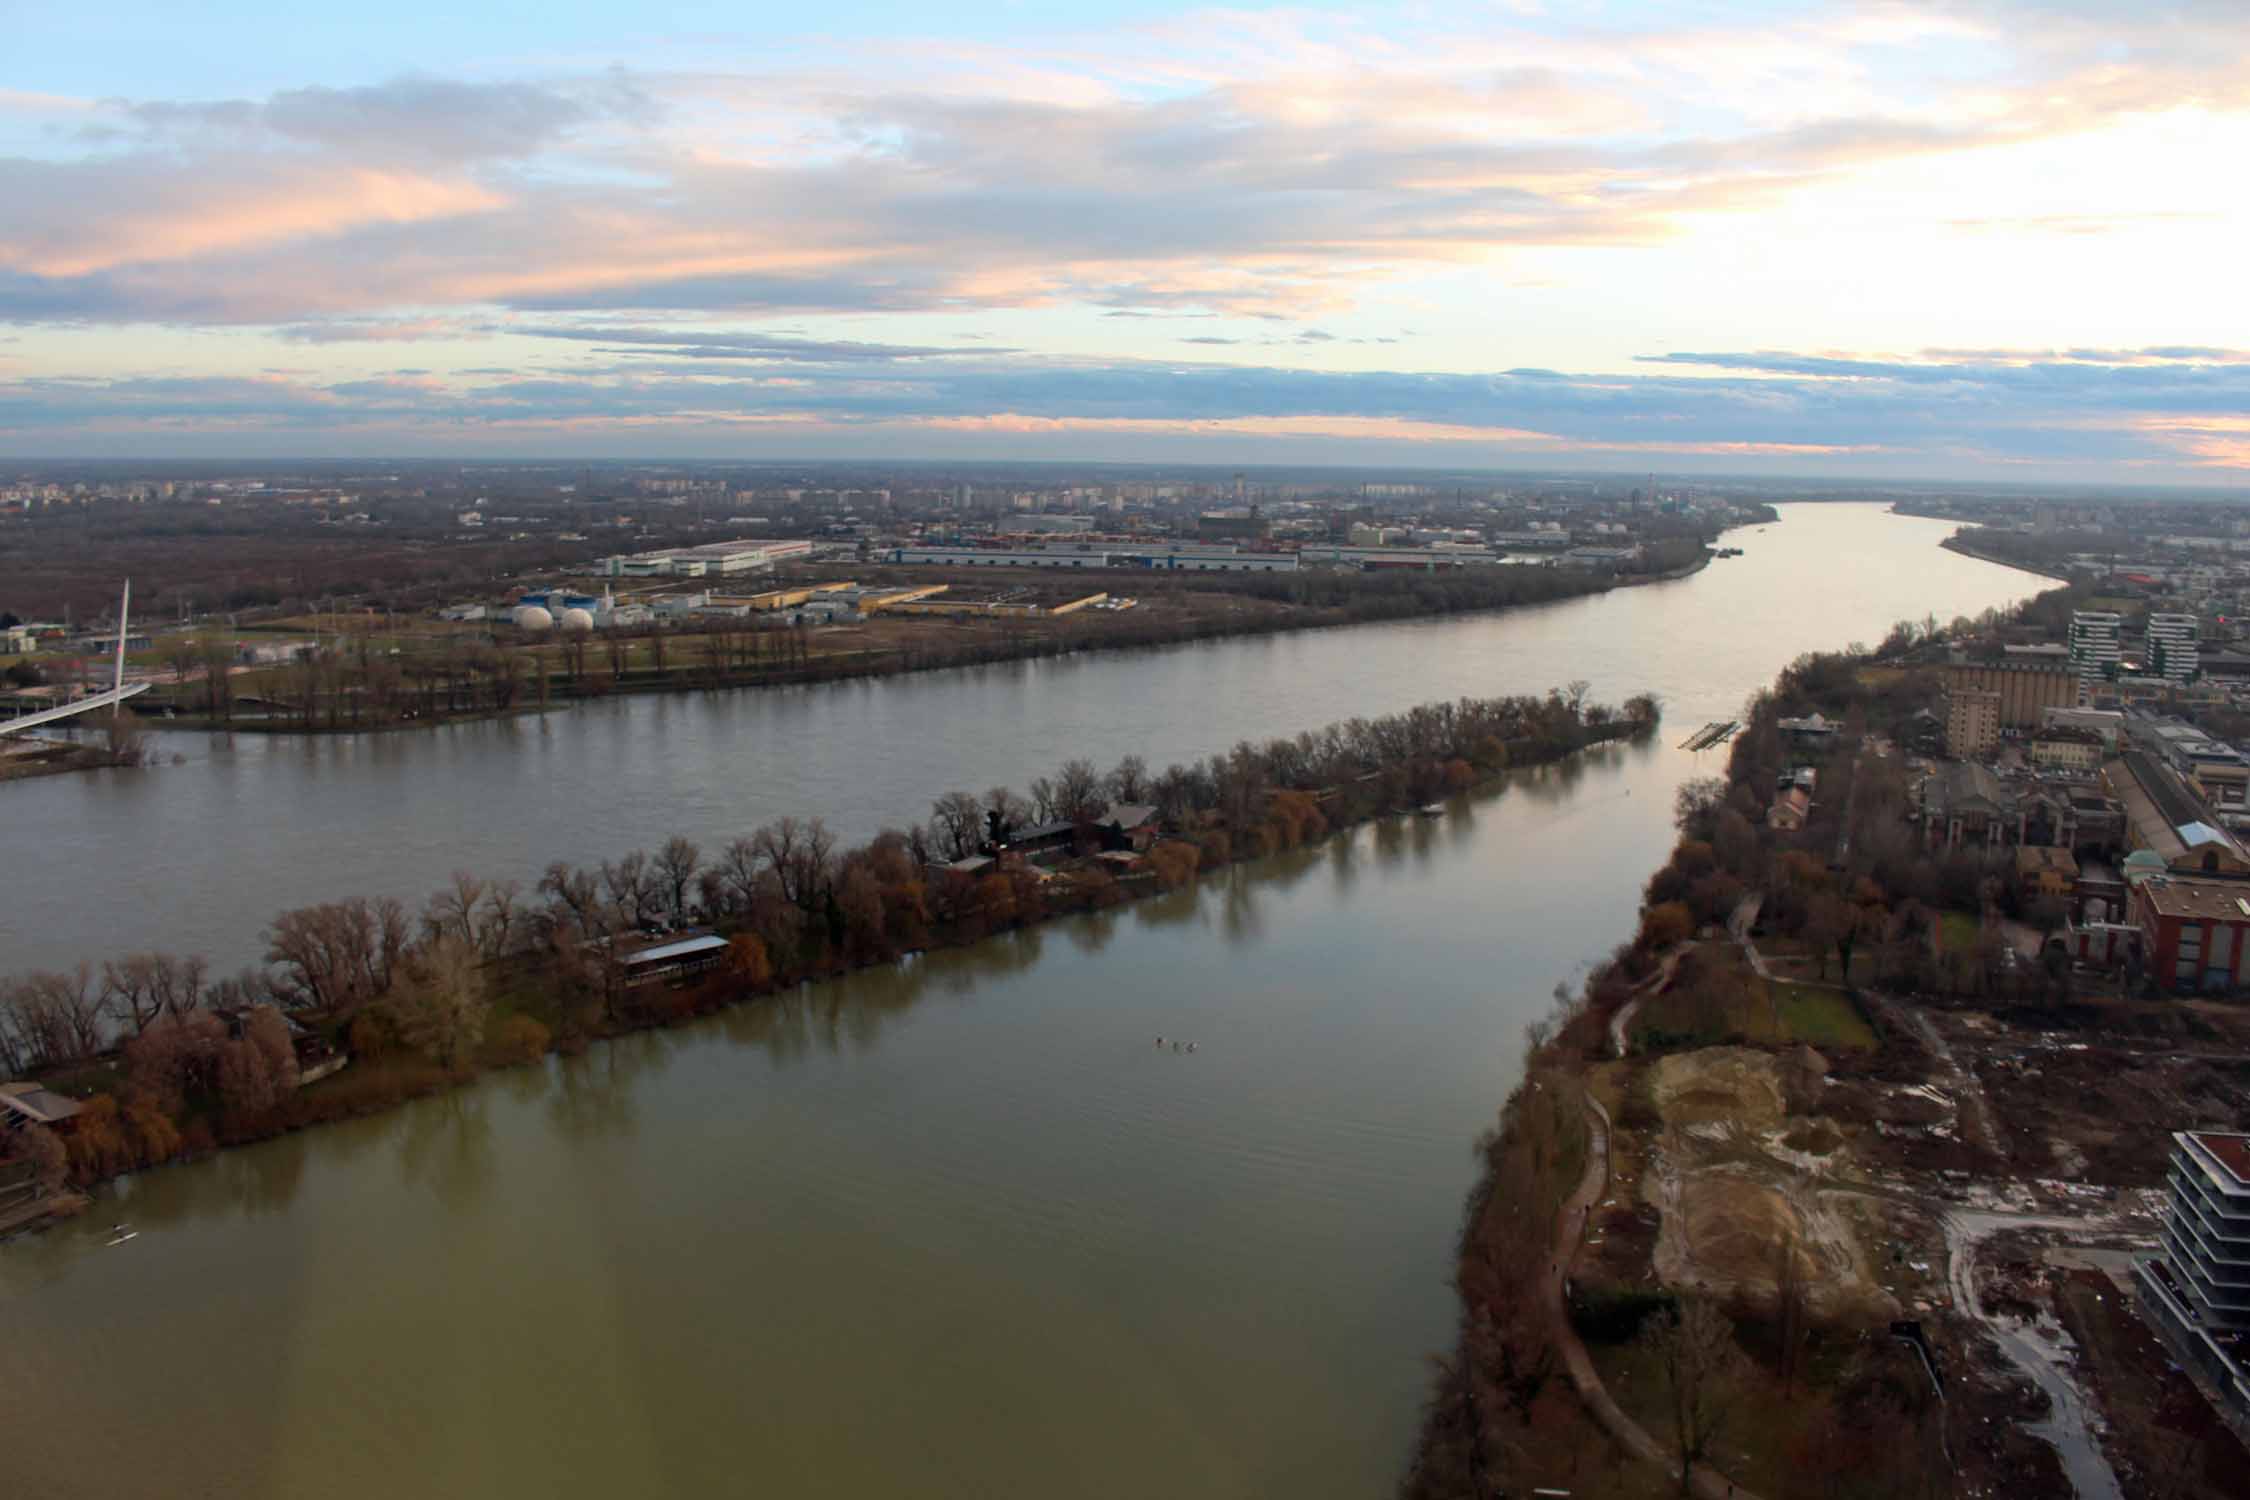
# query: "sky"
1987 239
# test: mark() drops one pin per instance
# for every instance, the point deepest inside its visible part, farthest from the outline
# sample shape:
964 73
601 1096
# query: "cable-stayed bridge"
117 693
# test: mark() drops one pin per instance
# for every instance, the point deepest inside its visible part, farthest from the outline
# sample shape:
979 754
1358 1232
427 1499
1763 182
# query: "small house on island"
678 960
27 1104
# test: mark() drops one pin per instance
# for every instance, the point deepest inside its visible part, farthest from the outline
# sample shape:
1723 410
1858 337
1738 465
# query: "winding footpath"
1570 1233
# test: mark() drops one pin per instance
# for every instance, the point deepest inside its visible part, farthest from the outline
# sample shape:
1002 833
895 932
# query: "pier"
1710 735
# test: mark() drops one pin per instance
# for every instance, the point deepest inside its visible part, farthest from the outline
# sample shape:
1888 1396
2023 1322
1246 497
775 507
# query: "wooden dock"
1710 735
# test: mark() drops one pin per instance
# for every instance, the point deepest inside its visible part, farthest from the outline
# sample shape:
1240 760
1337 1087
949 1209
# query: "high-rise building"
2027 688
2207 1230
2197 1284
2095 639
1972 721
2173 646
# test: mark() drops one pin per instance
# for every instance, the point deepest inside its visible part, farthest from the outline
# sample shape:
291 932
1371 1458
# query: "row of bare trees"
788 884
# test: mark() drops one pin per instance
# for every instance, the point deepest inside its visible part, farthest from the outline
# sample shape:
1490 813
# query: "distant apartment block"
2173 647
2096 640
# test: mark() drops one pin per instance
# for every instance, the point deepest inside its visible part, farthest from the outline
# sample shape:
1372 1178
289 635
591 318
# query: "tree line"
349 684
489 972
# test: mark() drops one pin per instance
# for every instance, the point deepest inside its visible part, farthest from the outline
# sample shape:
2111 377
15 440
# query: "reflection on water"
954 1227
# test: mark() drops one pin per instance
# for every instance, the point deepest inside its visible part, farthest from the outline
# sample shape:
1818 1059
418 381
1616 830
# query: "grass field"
1958 931
1824 1019
1728 1002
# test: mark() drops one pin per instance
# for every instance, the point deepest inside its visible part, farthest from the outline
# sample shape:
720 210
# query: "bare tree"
1129 781
958 822
738 867
338 955
1078 792
500 915
1004 813
1695 1353
630 887
676 864
440 1004
454 909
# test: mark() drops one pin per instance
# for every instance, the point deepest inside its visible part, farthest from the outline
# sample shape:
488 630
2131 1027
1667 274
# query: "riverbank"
1790 1067
493 981
483 676
59 757
1954 543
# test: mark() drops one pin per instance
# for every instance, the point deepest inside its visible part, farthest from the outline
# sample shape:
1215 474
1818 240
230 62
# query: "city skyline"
1982 240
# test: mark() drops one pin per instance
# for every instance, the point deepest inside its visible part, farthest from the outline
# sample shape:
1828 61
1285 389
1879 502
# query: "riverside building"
2096 636
2172 647
2027 687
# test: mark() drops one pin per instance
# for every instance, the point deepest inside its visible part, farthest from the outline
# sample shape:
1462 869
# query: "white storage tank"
579 620
532 617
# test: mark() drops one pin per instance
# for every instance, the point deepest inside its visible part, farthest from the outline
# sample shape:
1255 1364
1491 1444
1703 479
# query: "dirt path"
1570 1233
1974 1109
1666 967
2068 1425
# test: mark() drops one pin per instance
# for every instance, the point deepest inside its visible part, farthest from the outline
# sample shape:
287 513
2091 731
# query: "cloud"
2184 416
760 347
383 331
435 120
1252 165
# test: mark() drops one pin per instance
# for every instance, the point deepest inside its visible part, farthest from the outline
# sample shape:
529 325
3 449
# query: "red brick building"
2196 933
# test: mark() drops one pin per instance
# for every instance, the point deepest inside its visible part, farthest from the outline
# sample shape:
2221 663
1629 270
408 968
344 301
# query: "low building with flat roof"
25 1104
2196 932
674 960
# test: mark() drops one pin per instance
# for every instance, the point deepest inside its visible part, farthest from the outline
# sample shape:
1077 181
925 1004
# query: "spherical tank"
578 619
532 617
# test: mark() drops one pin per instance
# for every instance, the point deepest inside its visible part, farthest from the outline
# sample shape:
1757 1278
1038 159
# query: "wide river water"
956 1228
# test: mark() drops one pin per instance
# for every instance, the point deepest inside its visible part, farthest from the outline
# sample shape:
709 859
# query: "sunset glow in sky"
1989 238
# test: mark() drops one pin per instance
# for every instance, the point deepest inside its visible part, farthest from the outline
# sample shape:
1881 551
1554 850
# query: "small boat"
1433 810
116 1240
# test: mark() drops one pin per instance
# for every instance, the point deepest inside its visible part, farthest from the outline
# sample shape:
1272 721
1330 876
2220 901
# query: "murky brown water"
957 1229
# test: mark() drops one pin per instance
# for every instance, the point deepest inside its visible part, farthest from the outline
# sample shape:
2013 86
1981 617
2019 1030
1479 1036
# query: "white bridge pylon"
118 691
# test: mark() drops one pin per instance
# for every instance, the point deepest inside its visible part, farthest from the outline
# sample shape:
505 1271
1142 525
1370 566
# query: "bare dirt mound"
1719 1086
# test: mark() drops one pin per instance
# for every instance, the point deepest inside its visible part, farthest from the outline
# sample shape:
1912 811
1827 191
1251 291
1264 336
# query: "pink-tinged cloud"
1270 164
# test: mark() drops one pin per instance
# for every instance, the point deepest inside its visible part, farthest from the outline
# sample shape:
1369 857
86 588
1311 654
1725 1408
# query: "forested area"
493 972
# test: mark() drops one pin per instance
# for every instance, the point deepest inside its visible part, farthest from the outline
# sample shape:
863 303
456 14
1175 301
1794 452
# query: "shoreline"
902 664
1955 544
1565 1309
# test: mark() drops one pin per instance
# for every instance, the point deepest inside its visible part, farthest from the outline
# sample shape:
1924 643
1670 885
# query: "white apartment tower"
2172 646
2207 1232
2095 638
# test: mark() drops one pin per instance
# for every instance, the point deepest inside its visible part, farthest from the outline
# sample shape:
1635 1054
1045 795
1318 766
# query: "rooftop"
2197 900
684 948
35 1105
2230 1151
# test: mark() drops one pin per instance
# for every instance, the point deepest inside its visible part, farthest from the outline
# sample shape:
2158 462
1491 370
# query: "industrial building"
1182 558
2027 687
709 560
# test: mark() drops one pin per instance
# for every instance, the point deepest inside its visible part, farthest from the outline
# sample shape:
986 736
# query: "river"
957 1228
